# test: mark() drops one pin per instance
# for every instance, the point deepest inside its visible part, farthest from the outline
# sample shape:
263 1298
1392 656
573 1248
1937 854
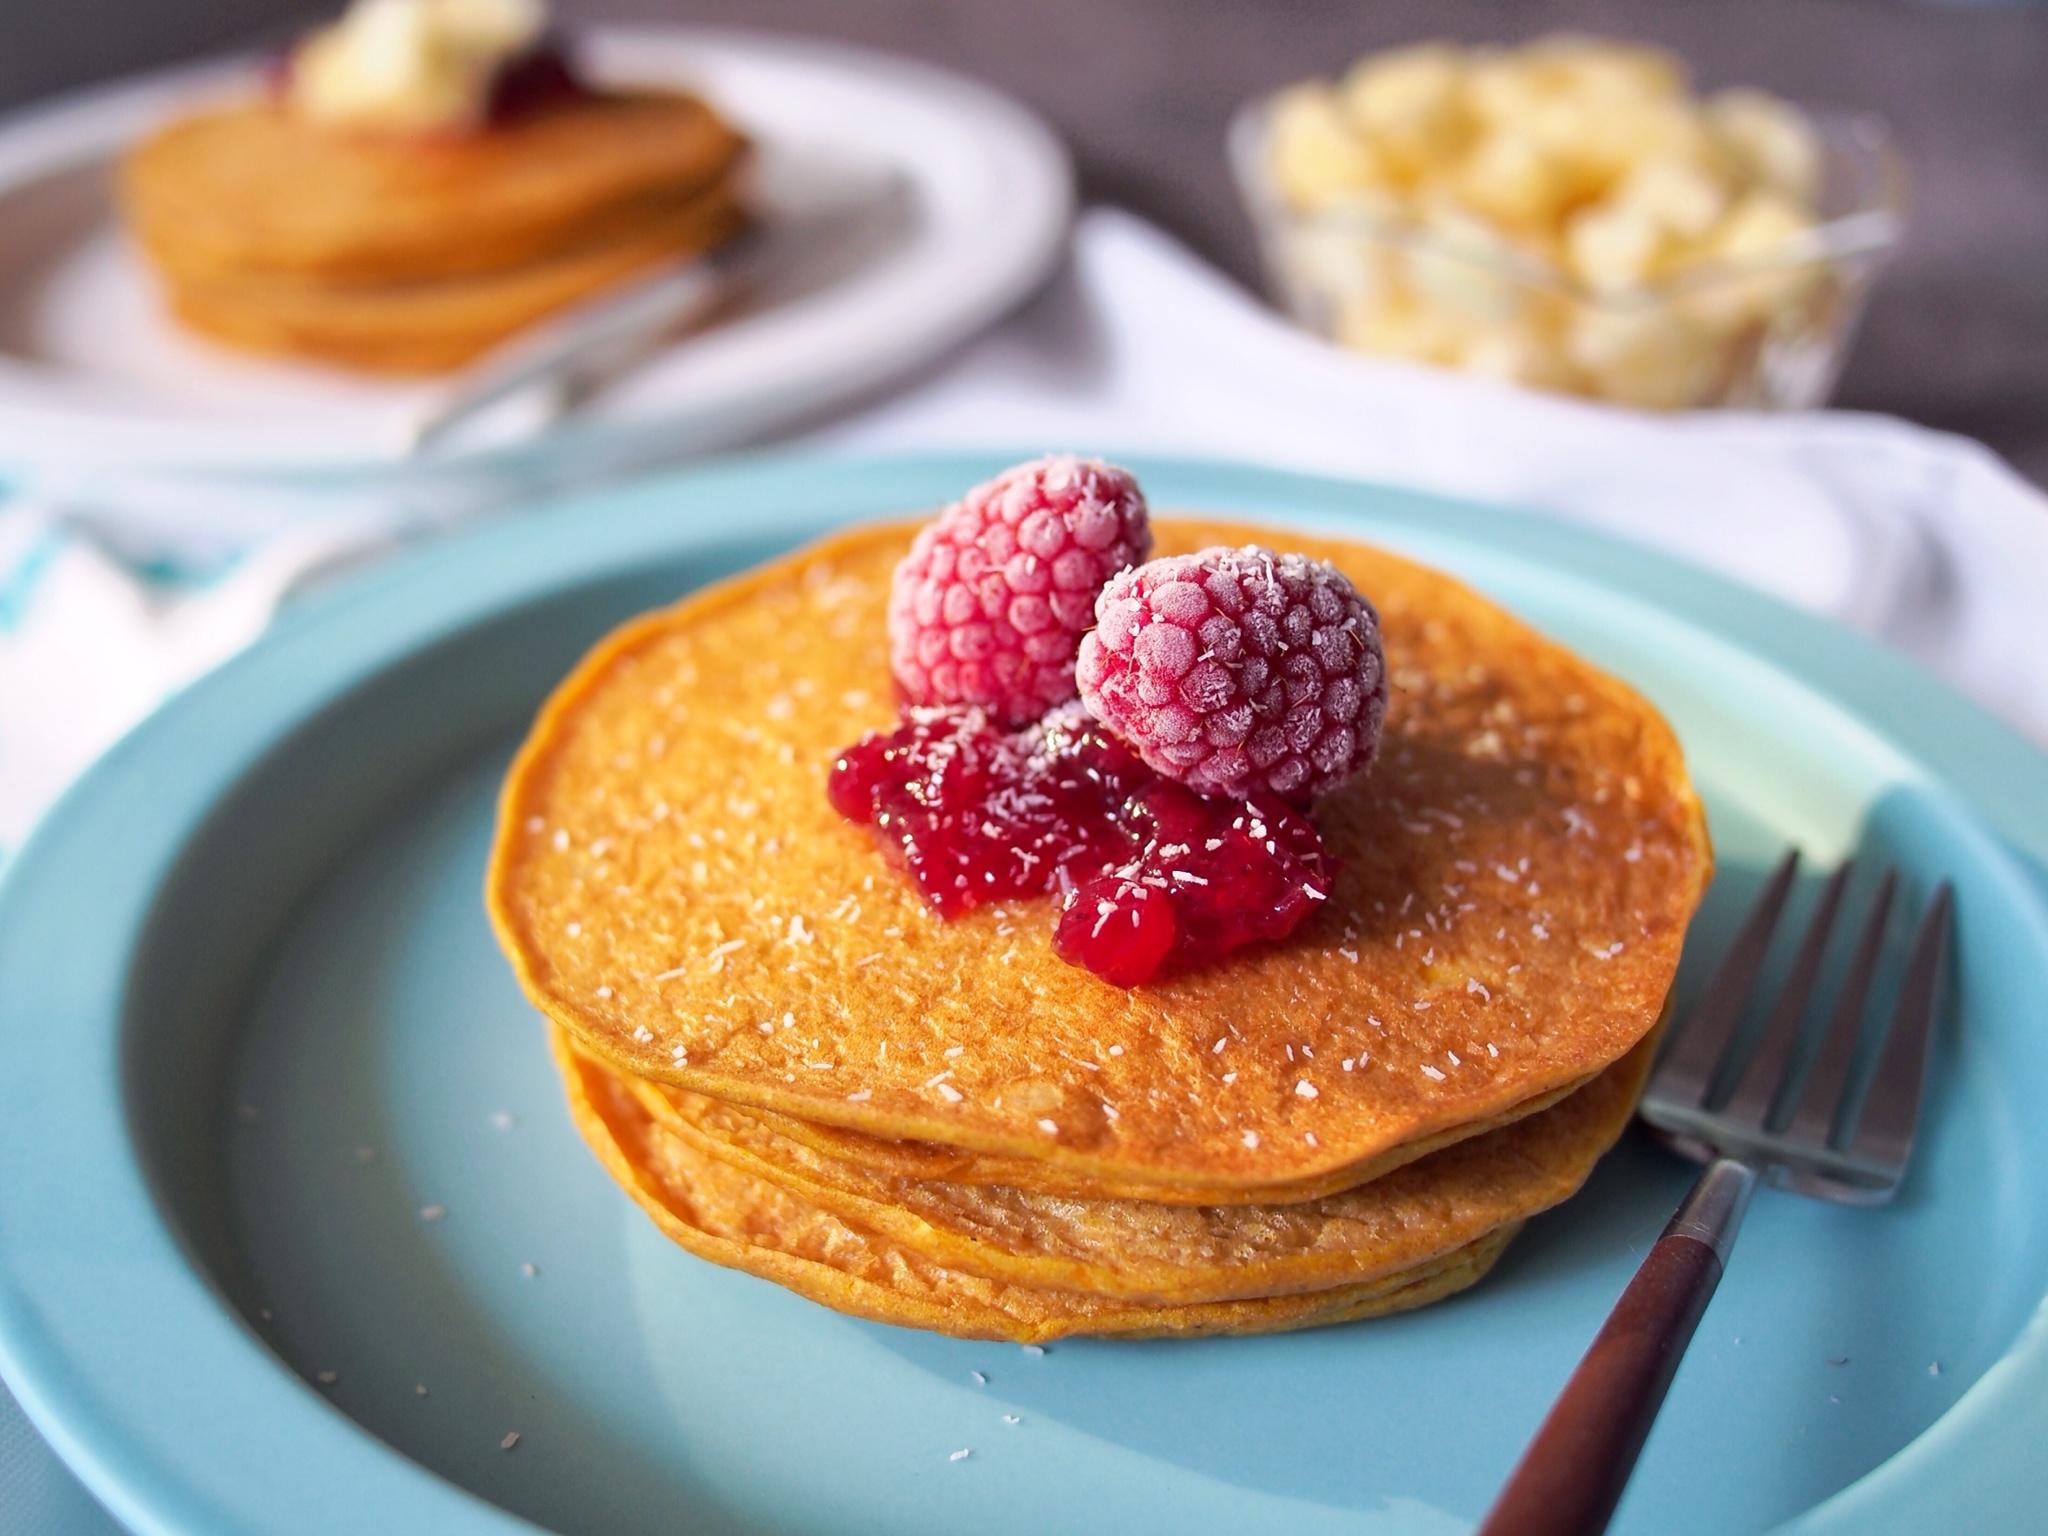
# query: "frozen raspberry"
990 604
1237 671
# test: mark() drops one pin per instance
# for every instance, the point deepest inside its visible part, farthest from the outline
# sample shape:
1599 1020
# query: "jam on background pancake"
731 1218
1135 1250
674 889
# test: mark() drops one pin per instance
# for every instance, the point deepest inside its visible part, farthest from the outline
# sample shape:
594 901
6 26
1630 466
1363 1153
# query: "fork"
1765 1124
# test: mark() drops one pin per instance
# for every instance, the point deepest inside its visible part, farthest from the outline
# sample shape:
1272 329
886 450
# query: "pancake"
673 888
252 191
932 1160
434 326
1138 1251
723 1215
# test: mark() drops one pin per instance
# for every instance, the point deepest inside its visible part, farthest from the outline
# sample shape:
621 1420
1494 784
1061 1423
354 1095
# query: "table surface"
1957 335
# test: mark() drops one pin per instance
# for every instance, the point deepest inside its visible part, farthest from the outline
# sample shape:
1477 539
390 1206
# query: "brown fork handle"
1572 1475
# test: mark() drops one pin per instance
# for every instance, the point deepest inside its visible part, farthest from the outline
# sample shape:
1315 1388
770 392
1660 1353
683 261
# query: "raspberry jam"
1151 876
537 80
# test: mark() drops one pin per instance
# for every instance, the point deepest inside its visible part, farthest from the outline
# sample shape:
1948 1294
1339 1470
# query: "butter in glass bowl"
1570 215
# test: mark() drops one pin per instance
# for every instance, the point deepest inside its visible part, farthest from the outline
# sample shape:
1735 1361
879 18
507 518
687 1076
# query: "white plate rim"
64 423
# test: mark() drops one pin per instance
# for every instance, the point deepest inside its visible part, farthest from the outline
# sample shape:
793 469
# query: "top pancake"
673 887
253 190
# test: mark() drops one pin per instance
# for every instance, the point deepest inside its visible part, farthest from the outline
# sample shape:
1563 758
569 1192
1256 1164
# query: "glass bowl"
1769 331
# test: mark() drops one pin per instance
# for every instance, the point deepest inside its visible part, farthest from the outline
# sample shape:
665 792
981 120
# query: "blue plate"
252 1024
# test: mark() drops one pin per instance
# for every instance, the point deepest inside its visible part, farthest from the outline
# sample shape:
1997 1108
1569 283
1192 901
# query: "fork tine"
1821 1099
1686 1069
1764 1074
1893 1105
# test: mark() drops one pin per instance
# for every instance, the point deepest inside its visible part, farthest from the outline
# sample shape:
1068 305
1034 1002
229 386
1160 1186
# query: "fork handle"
1572 1475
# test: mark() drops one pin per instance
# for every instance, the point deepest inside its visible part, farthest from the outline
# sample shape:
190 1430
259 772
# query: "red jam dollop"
1151 876
537 80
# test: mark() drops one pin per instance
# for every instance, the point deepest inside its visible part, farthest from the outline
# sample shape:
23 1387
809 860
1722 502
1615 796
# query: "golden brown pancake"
1135 1250
723 1215
253 191
674 889
933 1160
433 326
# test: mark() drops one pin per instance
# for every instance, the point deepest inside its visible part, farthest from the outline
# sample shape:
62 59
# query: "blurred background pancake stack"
421 182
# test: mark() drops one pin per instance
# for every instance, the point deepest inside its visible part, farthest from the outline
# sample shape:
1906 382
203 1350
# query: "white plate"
95 380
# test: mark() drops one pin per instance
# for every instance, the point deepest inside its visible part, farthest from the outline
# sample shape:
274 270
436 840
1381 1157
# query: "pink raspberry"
1239 670
990 604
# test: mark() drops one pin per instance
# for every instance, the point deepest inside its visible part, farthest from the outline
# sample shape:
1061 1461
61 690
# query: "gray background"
1957 336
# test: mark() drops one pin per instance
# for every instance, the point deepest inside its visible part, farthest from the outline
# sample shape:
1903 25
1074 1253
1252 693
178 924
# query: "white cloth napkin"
1925 540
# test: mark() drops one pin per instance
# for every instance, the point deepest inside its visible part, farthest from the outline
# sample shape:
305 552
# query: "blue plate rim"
111 1432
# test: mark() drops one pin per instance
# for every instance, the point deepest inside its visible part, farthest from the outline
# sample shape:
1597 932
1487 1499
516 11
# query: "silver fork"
1794 1130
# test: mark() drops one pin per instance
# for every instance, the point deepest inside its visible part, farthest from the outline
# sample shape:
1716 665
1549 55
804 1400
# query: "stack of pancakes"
414 254
797 1071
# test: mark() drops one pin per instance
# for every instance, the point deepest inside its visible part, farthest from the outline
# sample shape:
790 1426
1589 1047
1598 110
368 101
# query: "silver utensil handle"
1573 1473
554 353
